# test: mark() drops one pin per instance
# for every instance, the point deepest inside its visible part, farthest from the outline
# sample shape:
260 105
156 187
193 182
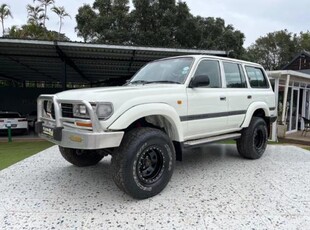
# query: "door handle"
223 98
249 96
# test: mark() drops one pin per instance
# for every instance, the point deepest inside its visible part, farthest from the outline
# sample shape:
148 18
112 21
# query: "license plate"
48 131
13 125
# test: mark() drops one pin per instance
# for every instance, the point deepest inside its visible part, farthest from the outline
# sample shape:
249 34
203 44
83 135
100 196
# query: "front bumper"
77 139
63 131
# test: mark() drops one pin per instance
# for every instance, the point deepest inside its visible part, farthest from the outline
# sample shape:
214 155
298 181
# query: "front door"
207 106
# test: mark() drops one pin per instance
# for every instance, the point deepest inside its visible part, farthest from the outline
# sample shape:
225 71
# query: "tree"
155 23
5 12
32 31
111 24
35 15
188 33
45 4
143 23
106 22
161 23
215 34
85 18
274 50
61 12
304 41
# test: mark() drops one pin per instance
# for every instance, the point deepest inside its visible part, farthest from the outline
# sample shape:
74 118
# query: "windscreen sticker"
185 70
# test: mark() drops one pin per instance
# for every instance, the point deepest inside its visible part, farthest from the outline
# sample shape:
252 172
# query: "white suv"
169 105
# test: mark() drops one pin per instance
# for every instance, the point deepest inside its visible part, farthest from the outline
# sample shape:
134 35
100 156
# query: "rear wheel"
253 141
80 158
144 163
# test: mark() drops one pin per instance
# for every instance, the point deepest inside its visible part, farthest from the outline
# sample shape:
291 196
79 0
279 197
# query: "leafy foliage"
35 27
35 15
5 12
85 17
32 31
45 4
162 23
61 12
274 50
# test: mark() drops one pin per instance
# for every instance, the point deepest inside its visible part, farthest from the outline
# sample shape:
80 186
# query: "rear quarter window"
256 77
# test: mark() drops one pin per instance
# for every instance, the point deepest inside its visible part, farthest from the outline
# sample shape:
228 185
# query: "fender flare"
160 109
251 109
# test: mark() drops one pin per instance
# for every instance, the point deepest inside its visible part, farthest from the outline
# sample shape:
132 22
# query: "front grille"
67 110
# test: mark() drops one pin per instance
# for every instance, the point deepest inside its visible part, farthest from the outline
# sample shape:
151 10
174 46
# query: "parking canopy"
63 62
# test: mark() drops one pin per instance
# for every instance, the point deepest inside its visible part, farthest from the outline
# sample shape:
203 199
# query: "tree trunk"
2 22
60 24
45 15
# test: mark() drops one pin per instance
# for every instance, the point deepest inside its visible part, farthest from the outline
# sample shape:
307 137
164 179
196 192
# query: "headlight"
80 111
104 110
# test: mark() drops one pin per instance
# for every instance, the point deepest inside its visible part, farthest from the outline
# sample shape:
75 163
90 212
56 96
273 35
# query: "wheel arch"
158 115
259 109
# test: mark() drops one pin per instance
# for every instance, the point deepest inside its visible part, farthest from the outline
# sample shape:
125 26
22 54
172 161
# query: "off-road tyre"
80 158
143 164
253 141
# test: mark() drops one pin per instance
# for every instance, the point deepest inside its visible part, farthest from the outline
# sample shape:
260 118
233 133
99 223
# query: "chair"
306 126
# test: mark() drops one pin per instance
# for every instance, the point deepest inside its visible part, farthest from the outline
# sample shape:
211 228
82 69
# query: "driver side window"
211 69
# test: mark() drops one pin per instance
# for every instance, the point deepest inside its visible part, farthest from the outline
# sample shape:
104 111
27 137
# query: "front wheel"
253 141
144 163
80 158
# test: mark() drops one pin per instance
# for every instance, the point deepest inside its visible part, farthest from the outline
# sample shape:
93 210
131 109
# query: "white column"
274 133
303 107
285 98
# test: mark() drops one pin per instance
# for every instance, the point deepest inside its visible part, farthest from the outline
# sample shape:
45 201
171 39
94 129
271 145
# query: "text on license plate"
48 131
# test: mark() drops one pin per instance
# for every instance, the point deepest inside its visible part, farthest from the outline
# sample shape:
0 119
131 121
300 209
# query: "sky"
253 18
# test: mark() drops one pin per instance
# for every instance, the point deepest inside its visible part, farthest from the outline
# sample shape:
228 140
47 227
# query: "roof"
32 60
299 62
295 75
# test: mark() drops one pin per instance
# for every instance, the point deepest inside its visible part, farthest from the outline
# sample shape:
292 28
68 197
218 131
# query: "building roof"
294 75
48 61
299 62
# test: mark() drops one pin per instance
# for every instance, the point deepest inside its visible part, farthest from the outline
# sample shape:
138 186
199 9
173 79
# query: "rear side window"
256 77
211 69
234 75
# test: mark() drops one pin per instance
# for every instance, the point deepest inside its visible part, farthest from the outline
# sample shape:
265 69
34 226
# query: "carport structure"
77 64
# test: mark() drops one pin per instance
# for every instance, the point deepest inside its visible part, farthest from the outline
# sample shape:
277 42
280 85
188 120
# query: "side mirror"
199 81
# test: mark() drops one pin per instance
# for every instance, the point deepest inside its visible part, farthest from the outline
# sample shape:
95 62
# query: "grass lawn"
13 152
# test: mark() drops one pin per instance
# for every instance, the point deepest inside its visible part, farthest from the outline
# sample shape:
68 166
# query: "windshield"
170 71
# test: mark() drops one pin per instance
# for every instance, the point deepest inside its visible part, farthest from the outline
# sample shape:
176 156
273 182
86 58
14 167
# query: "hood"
110 94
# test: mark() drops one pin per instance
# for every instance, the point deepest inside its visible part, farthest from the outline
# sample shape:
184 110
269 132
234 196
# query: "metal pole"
64 82
9 134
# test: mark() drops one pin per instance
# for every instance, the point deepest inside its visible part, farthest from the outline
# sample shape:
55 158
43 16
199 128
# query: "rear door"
239 95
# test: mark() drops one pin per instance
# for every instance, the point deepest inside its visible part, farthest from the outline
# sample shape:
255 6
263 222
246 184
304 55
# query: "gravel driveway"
213 188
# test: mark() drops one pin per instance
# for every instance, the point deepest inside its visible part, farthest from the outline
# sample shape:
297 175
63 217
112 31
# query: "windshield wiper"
169 82
139 82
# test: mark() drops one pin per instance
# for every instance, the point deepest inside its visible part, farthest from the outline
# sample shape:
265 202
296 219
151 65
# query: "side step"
194 143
